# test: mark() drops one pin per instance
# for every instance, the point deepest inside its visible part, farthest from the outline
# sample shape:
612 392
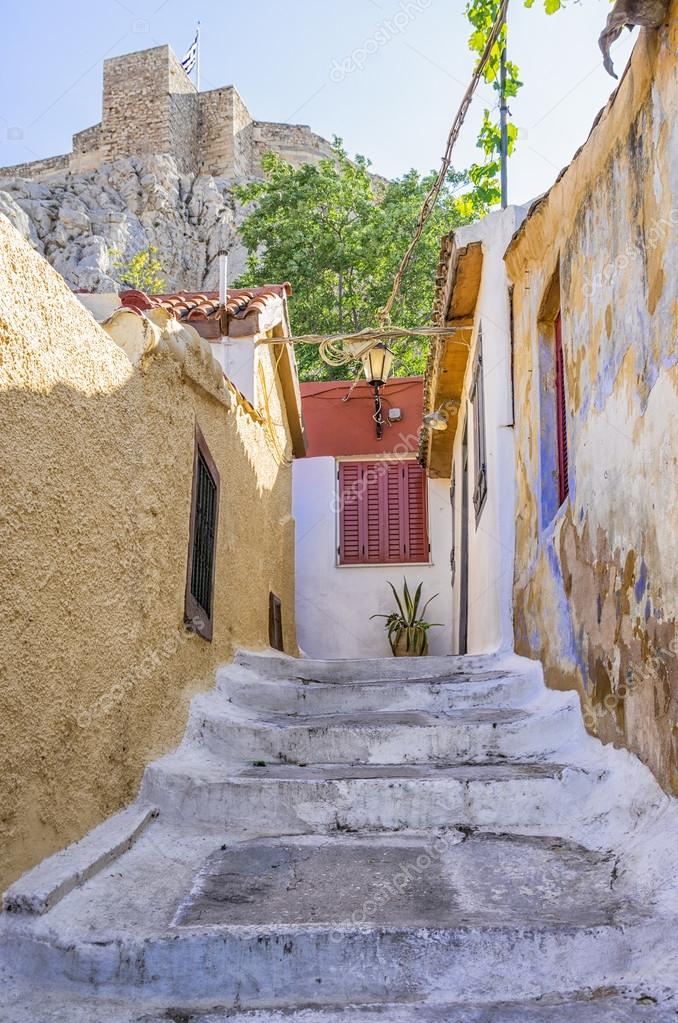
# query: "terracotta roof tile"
201 308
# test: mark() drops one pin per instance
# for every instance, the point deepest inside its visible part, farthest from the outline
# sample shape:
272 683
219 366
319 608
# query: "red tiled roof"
201 308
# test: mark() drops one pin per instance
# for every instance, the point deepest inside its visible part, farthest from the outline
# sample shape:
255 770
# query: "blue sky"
290 61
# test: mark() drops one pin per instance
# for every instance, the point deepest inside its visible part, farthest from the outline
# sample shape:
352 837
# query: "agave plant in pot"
406 626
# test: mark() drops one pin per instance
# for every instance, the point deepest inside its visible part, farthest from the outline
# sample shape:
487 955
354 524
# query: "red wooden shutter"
351 506
375 511
382 513
395 524
415 518
561 415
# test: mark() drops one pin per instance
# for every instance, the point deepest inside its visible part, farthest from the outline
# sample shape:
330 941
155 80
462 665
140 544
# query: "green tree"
142 271
482 15
338 234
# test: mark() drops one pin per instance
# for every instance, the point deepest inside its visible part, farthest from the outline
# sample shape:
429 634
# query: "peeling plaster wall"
596 587
96 457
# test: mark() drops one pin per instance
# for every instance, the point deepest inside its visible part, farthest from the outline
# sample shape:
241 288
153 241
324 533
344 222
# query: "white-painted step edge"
39 889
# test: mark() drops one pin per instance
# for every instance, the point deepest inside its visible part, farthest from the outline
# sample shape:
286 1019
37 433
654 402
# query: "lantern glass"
377 364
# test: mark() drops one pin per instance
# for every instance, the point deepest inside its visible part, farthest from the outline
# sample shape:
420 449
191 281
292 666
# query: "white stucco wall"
334 603
492 540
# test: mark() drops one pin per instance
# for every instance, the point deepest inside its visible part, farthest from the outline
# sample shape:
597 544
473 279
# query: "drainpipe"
223 291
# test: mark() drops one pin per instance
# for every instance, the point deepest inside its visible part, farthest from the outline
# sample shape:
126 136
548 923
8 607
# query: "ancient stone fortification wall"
225 134
97 669
596 585
150 106
295 143
38 168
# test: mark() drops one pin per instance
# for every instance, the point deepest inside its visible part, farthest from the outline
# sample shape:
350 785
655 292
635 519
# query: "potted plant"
407 630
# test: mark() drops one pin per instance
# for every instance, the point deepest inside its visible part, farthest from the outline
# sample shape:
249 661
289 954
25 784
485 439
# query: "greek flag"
188 63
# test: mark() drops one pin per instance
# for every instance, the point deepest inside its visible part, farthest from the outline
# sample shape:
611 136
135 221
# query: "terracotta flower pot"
402 651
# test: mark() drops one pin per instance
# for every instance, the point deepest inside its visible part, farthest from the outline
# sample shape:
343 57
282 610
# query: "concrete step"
498 688
467 735
33 1005
272 665
285 799
346 921
24 1003
454 848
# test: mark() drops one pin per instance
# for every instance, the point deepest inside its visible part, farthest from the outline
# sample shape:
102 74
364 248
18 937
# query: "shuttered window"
199 611
561 415
382 513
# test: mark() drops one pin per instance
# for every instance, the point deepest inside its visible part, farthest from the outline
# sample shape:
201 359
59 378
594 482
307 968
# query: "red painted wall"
336 427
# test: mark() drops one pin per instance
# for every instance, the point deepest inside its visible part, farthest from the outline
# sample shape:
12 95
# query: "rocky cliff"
81 223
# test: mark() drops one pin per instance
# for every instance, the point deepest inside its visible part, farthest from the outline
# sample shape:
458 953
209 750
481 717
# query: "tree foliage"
482 15
142 271
338 234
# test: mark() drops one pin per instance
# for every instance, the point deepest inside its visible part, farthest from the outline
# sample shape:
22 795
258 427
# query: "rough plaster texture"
596 584
97 458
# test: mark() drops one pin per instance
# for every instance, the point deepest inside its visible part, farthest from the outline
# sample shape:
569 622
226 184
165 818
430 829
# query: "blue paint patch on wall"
563 626
641 582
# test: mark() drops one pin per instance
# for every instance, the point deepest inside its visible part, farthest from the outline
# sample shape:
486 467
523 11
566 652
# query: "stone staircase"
363 841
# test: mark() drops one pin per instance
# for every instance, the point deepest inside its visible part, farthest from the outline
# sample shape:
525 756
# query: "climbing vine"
481 15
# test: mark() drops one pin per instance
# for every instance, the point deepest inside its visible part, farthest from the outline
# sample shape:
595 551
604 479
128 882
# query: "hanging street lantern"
377 365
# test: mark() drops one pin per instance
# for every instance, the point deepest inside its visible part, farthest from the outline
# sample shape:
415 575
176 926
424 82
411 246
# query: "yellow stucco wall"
96 456
596 585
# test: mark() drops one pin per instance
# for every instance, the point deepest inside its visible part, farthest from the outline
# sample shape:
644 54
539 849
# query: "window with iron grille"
383 515
199 610
479 444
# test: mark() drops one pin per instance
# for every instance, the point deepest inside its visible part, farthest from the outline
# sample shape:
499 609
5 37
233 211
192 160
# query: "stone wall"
151 107
88 153
295 143
596 580
225 134
97 669
89 139
37 168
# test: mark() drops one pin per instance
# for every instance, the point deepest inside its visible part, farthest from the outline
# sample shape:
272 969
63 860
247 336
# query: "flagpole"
197 60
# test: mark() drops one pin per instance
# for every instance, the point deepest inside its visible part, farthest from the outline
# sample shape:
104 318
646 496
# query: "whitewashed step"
453 842
285 799
31 1004
468 735
358 920
435 694
272 665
